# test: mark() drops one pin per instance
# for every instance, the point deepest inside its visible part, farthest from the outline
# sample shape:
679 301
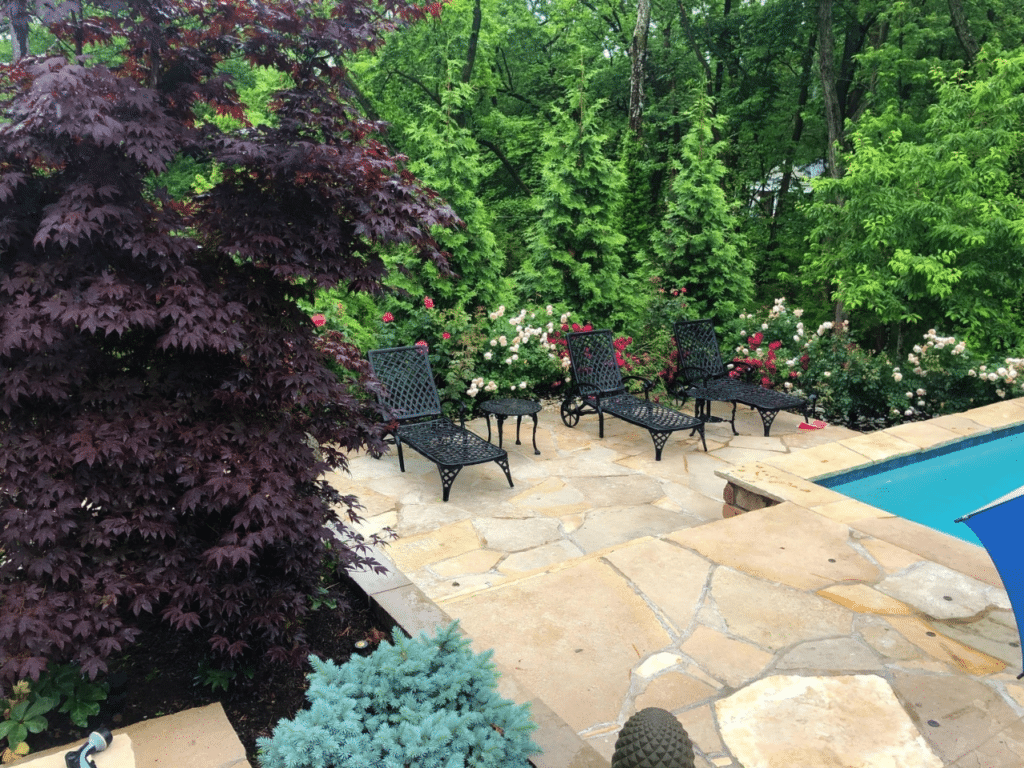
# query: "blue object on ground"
1000 527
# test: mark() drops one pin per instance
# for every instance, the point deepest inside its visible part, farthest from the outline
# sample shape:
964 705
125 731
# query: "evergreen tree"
575 244
699 246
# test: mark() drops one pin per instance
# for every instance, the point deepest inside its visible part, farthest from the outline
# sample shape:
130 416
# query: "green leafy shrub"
23 714
428 702
79 697
941 374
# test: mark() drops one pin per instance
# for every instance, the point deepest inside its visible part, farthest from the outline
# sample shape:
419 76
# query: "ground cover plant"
166 419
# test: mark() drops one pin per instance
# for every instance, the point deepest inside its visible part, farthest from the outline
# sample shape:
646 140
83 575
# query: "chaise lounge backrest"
593 363
409 388
700 357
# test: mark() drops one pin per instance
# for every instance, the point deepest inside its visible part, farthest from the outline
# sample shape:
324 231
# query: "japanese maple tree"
166 417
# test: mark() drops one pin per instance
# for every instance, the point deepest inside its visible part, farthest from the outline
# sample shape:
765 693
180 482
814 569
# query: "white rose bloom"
550 310
494 342
917 349
796 338
522 385
789 385
488 355
764 326
827 374
993 377
798 312
508 361
898 376
515 357
1000 393
492 316
921 392
503 341
908 412
972 372
920 403
514 348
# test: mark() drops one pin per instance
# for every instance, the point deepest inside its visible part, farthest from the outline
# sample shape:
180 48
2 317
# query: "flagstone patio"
816 631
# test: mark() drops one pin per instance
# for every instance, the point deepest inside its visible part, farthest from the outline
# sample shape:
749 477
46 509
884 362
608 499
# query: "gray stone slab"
516 535
607 527
990 634
956 714
774 616
941 592
843 654
619 491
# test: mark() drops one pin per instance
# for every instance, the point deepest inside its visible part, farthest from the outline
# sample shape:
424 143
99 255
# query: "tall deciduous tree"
166 419
931 228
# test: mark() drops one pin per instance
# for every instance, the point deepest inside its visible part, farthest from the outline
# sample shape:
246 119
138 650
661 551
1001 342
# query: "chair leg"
659 438
767 417
700 428
732 421
401 456
502 461
448 475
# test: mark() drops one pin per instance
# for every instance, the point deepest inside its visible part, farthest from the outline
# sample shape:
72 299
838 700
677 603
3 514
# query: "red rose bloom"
388 317
318 320
421 343
446 335
428 302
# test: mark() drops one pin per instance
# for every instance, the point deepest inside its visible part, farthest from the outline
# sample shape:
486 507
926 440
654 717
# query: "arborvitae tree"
576 246
165 421
699 245
448 158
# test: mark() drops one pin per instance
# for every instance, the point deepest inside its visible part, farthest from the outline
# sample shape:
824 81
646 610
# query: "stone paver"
814 631
785 544
788 720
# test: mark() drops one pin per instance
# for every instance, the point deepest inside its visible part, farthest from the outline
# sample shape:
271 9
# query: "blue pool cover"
1000 527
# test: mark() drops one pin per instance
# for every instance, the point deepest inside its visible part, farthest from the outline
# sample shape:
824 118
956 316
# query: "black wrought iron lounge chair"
598 386
410 393
703 376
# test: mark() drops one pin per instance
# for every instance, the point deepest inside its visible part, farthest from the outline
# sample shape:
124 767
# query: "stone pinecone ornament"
653 738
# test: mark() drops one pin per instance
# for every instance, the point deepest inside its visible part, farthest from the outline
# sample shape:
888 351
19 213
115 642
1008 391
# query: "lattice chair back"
700 357
409 388
593 362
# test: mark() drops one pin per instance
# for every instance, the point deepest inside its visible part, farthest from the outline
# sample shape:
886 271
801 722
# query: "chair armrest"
648 384
462 409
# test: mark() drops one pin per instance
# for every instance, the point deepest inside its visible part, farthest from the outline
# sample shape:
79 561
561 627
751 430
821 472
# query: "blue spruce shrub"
424 702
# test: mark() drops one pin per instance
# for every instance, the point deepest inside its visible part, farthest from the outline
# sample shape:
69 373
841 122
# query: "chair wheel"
571 411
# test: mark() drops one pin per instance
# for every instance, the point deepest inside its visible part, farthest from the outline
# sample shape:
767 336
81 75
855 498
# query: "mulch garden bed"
160 676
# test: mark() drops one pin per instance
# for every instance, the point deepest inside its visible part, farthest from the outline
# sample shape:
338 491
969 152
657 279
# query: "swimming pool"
937 486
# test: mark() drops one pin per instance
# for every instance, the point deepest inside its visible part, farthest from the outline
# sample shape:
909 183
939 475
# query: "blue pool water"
936 487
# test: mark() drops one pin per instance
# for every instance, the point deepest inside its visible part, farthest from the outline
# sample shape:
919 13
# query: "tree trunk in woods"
833 117
827 67
18 10
474 39
963 30
638 56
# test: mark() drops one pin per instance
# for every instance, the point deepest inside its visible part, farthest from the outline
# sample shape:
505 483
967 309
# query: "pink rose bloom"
428 302
318 320
388 317
421 343
446 335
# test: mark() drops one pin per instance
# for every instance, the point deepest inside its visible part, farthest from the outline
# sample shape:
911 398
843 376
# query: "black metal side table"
509 406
